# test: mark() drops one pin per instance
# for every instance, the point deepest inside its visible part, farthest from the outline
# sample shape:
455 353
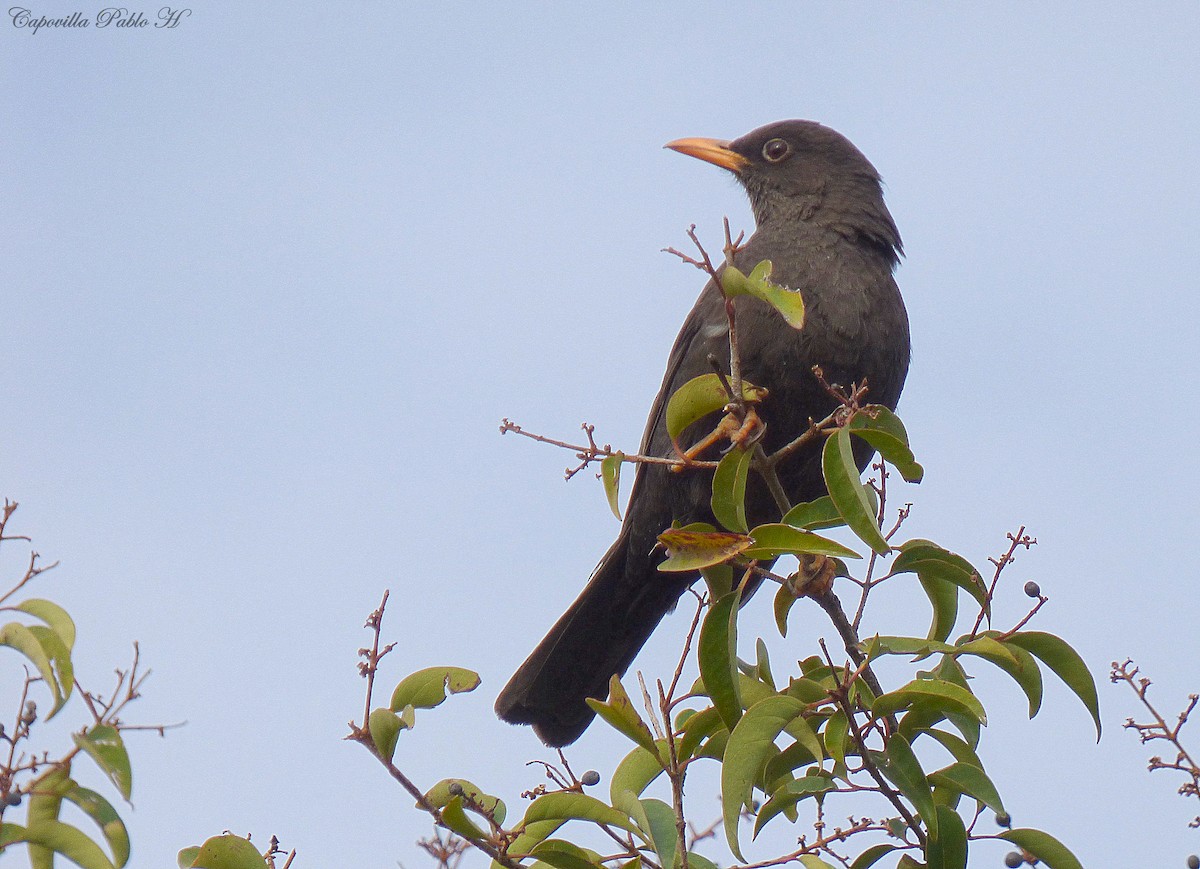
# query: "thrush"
821 221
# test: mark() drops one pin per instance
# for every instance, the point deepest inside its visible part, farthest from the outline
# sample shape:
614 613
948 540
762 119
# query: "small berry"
456 789
13 798
1033 589
1013 859
1193 861
589 778
1003 819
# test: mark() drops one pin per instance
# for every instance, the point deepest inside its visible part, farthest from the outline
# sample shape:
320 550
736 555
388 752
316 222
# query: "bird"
821 220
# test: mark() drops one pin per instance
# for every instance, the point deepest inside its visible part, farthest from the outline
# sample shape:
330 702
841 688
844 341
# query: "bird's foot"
751 429
815 576
729 426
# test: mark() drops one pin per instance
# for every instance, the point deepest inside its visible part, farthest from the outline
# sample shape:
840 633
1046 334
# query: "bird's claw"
815 576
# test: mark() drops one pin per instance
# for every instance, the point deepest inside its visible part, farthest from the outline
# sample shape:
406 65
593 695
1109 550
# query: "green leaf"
762 664
427 688
699 397
815 515
610 473
845 487
102 812
563 855
699 727
729 489
959 748
784 601
17 636
693 550
1045 847
64 839
883 430
717 654
444 791
635 772
385 726
229 852
969 780
566 806
948 850
60 659
664 836
782 767
53 615
949 670
187 856
619 713
920 648
809 689
45 802
775 539
789 795
930 561
871 856
789 303
810 861
837 733
1013 660
719 579
943 596
528 838
104 745
903 769
751 745
454 816
944 694
1066 664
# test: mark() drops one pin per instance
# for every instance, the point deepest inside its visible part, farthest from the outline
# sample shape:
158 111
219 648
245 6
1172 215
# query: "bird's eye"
776 150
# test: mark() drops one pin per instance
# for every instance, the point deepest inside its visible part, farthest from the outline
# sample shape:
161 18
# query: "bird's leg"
742 430
725 429
751 429
815 576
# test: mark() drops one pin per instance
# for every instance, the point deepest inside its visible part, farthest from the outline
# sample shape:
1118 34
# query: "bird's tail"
599 636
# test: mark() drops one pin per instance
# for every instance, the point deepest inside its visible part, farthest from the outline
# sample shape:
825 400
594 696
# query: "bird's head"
801 170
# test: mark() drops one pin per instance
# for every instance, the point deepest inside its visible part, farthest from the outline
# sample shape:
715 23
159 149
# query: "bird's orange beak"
715 151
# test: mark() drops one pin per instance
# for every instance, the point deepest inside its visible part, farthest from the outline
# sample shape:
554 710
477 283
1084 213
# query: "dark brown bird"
821 220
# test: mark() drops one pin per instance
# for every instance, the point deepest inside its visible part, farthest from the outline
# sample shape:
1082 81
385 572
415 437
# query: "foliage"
826 737
43 633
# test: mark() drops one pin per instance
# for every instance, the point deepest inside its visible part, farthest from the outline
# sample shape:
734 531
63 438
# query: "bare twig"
1158 729
370 666
842 696
1014 541
590 452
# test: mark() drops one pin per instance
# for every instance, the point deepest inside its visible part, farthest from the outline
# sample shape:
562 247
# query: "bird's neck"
853 209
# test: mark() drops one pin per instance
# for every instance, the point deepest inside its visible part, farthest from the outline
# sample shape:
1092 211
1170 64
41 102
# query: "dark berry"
1193 861
13 798
456 789
1013 859
1033 589
589 778
1003 819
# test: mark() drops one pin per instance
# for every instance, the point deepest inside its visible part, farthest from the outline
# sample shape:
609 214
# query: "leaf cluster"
43 634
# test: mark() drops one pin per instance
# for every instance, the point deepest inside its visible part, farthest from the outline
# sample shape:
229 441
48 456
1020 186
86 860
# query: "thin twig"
588 453
842 695
1159 729
1015 540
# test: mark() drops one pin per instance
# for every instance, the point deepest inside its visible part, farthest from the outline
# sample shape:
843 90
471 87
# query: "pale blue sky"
234 254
